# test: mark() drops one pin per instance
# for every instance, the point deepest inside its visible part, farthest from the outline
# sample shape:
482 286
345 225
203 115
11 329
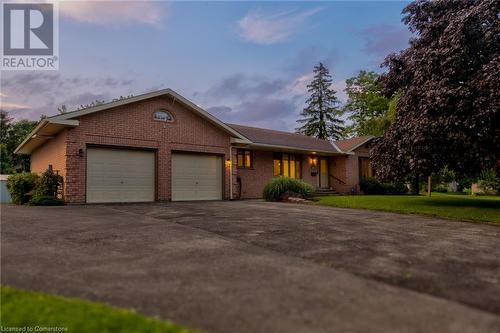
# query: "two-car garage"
129 175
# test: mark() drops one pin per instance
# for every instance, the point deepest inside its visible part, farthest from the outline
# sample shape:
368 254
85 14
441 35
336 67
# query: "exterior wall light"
81 153
229 163
314 166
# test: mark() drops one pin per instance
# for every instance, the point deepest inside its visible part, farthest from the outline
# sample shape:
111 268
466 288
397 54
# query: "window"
287 165
245 159
365 168
163 115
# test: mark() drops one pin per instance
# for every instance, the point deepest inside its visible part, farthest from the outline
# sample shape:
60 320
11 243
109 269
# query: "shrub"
281 187
441 188
21 186
394 188
488 182
373 186
45 200
48 184
464 183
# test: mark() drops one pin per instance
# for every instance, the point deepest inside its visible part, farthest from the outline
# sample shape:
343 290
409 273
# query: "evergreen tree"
320 118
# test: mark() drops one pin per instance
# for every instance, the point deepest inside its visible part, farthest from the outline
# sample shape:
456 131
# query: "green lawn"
21 308
452 206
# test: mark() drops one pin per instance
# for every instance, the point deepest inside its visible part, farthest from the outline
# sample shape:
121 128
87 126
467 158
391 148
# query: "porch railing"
338 179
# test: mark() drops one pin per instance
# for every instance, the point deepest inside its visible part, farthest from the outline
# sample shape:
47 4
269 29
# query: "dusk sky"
246 63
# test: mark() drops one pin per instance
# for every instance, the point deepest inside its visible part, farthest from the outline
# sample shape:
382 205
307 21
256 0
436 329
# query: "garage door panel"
115 175
196 177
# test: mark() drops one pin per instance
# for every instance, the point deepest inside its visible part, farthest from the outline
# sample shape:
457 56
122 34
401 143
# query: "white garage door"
119 175
196 177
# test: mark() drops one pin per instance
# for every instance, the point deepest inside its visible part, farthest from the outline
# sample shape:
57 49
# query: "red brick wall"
306 171
253 180
338 169
52 152
133 126
352 170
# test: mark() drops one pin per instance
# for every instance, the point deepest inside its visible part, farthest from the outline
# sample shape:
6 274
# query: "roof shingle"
286 139
348 144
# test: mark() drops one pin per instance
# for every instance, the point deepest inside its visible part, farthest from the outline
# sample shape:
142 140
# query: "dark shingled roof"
348 144
286 139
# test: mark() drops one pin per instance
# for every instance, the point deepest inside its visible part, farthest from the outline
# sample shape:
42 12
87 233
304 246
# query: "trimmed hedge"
21 186
371 186
281 187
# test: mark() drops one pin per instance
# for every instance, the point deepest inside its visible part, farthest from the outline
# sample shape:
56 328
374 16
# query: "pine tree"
320 118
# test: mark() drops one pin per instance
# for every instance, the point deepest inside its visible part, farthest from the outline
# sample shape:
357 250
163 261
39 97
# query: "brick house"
160 146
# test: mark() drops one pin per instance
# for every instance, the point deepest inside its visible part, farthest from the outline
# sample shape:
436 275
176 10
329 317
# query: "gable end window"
163 115
245 158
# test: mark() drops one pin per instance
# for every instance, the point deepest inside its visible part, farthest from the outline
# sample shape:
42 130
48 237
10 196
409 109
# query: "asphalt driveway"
252 266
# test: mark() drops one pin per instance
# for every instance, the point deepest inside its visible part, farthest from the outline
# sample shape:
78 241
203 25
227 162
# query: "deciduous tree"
366 107
447 113
12 134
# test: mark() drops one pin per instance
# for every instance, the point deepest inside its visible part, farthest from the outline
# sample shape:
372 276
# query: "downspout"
231 173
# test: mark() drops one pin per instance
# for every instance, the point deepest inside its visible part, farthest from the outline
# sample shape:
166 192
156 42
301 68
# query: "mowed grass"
21 308
451 206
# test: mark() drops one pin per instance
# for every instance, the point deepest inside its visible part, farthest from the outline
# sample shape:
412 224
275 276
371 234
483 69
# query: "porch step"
324 192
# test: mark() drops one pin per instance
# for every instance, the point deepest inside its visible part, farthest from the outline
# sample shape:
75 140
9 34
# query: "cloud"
256 100
6 106
31 95
260 28
264 112
299 85
381 40
239 86
305 59
109 12
261 101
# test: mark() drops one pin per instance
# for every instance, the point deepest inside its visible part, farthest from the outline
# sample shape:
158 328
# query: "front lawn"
21 308
452 206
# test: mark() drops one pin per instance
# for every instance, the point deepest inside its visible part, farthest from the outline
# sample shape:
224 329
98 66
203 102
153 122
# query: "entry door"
323 172
120 175
196 177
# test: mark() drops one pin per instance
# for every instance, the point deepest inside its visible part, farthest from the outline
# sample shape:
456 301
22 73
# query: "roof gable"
348 145
50 126
165 92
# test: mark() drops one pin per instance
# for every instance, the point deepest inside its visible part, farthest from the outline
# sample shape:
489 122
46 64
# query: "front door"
323 172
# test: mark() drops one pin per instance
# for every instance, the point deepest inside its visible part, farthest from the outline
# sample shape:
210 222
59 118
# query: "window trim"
171 120
297 158
243 151
360 166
